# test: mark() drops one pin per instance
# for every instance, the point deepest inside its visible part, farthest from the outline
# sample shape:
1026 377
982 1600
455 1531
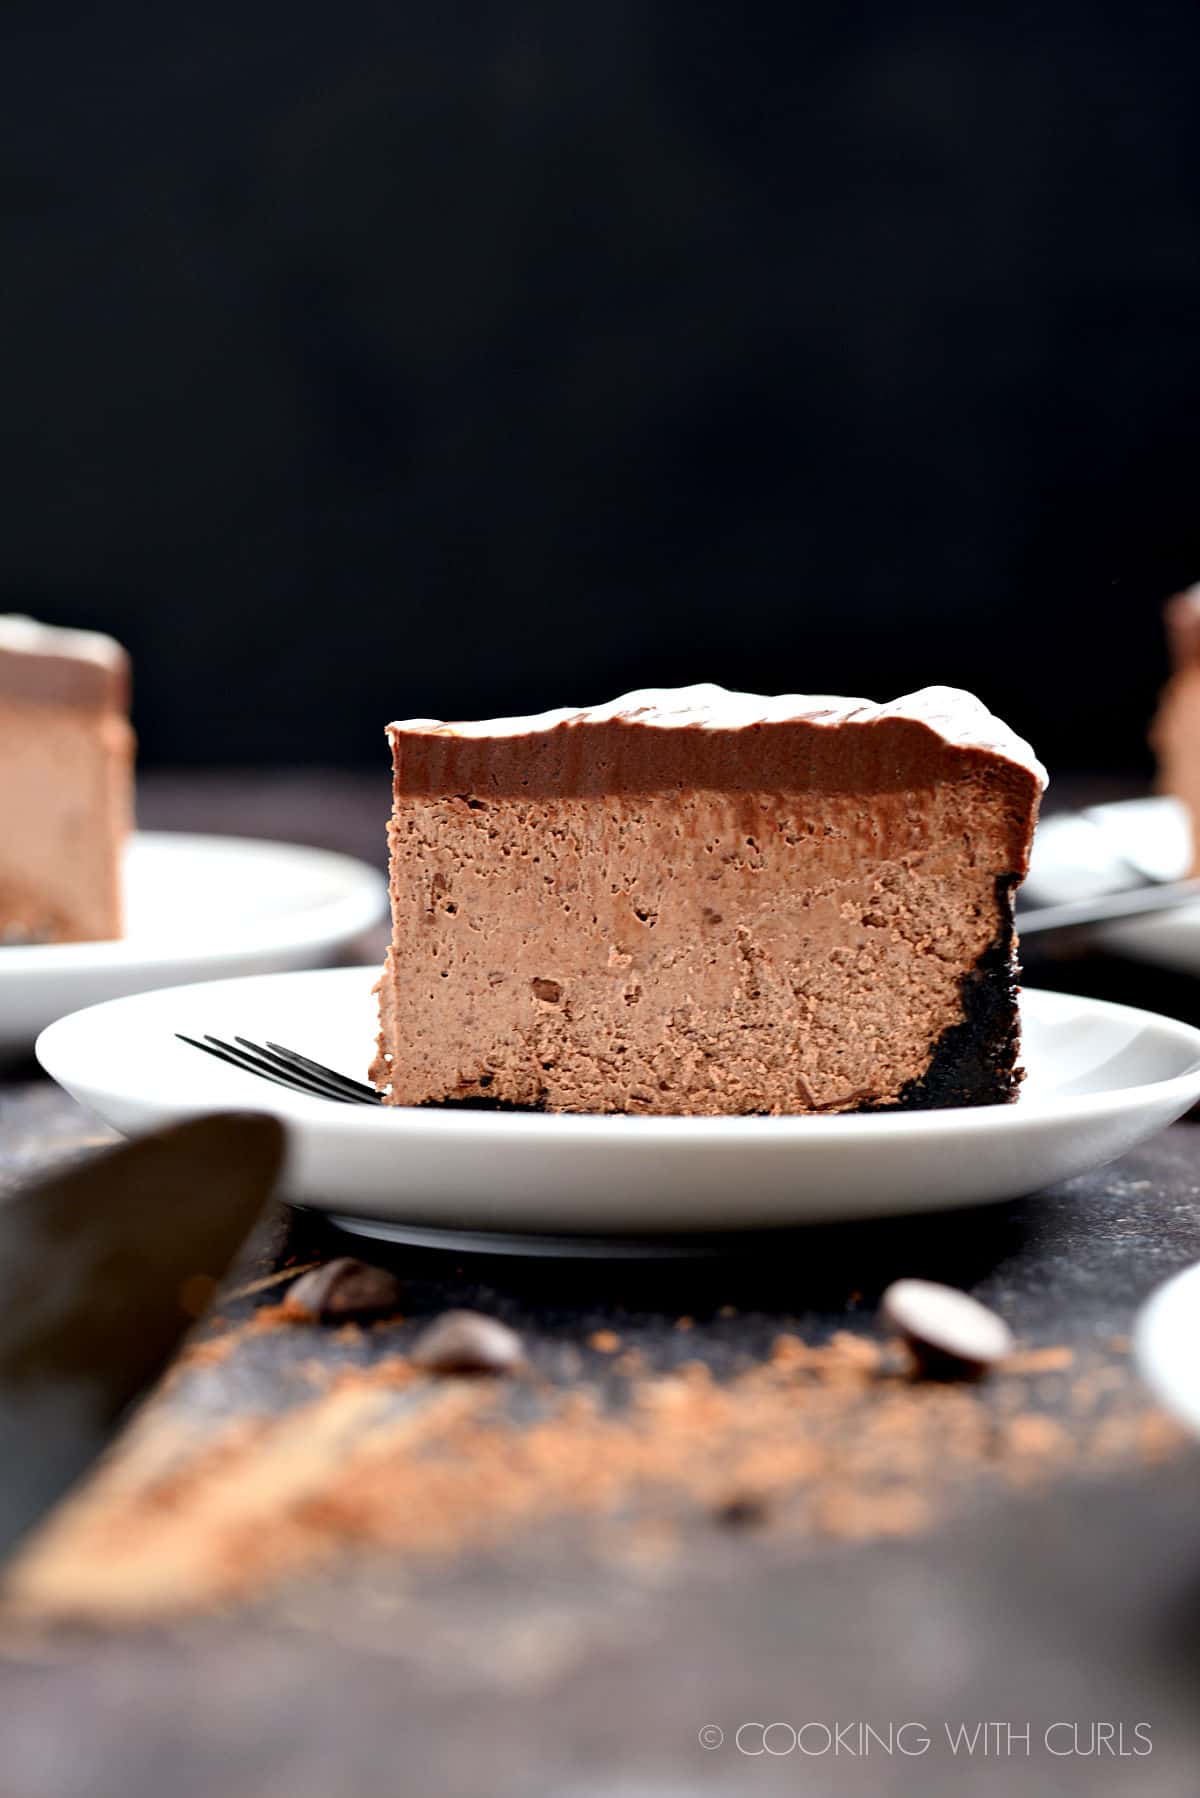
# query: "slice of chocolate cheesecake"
66 783
698 902
1175 732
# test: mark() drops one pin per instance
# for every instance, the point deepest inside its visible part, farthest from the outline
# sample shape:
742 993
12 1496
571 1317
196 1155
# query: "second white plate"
1100 1079
1074 859
198 907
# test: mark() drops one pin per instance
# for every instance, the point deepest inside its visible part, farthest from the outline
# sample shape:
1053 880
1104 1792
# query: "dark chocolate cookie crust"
975 1061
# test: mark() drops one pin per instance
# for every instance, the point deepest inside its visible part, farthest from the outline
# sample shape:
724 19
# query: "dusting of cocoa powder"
829 1440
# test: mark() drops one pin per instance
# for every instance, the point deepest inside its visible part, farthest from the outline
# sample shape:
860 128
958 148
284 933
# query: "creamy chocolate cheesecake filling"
66 783
701 902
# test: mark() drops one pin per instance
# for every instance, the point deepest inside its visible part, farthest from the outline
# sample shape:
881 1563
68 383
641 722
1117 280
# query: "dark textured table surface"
303 1577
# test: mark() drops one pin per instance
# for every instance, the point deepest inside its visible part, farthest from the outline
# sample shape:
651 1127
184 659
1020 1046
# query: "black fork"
300 1074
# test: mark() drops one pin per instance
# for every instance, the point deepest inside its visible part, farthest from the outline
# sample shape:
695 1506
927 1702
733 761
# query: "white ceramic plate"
198 908
1166 1343
1100 1079
1073 859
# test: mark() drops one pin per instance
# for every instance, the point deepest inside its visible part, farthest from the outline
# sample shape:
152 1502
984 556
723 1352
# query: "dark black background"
367 360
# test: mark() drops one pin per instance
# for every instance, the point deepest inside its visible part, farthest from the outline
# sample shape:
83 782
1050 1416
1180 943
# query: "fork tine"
255 1063
235 1060
283 1067
257 1059
326 1080
361 1091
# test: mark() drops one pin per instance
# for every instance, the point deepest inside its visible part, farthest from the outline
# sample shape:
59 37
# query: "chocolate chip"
344 1289
950 1333
743 1512
467 1342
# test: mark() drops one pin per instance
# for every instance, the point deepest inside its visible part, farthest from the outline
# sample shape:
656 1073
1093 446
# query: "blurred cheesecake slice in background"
1175 733
66 783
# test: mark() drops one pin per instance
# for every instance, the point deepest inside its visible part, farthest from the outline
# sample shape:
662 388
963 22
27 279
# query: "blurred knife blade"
103 1269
